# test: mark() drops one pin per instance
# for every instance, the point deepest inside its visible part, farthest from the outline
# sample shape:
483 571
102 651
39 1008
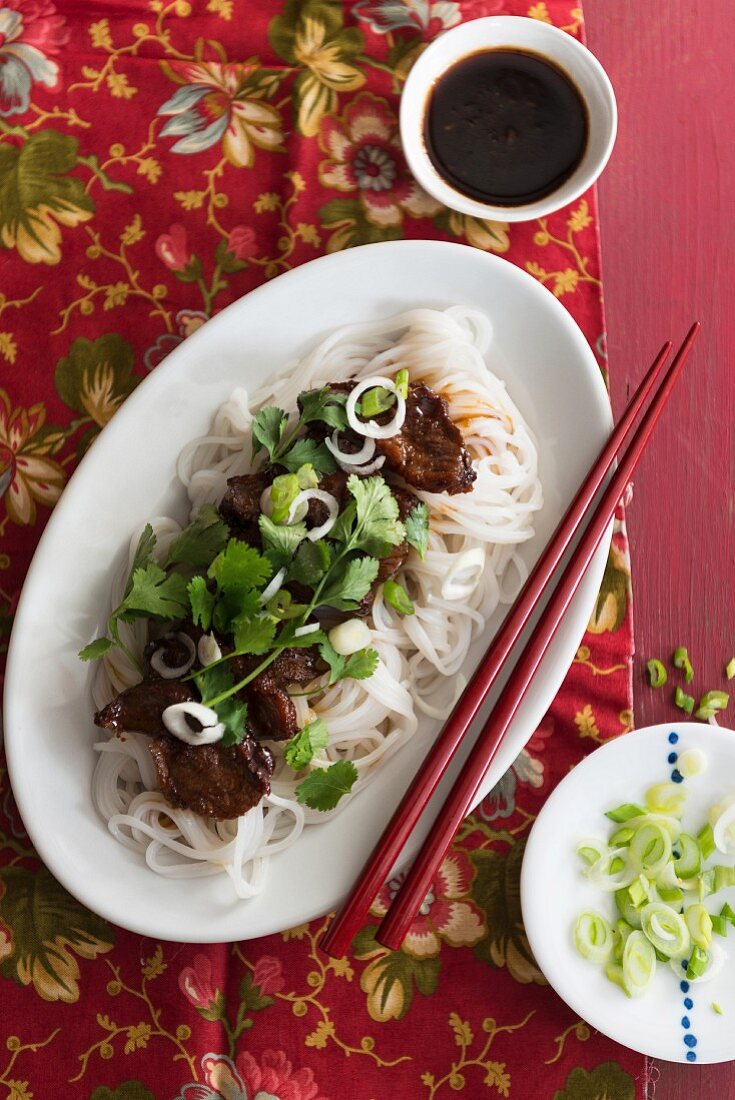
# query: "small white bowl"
510 32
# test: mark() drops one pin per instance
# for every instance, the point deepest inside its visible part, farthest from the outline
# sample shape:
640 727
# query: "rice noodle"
420 655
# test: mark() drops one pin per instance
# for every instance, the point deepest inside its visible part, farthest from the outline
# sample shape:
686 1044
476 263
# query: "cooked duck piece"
212 780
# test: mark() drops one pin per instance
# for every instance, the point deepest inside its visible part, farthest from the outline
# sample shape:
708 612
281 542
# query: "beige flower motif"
487 235
29 475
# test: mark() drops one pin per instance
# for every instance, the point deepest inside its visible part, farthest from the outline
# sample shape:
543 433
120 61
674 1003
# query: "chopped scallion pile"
655 871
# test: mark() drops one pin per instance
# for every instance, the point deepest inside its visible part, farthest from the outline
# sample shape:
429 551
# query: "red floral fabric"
158 159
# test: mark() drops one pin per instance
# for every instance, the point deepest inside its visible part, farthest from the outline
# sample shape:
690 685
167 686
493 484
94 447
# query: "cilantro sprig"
150 592
323 788
271 431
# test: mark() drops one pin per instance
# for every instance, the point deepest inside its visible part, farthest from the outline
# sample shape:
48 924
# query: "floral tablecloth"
158 159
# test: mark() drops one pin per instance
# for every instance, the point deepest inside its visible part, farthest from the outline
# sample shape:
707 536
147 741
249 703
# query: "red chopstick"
387 850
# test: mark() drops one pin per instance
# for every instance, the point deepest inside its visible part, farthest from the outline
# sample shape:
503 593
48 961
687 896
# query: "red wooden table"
668 242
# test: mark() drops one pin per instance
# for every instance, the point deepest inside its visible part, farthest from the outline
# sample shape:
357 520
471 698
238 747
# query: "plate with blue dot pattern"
675 1019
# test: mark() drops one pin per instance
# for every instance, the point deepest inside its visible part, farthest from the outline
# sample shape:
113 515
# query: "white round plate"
129 475
671 1021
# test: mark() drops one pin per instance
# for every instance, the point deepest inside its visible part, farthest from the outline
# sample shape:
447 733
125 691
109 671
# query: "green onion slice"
639 964
613 870
628 910
376 401
650 849
657 674
683 701
666 798
401 383
593 936
706 841
681 660
690 858
665 929
730 668
625 812
591 849
710 703
699 923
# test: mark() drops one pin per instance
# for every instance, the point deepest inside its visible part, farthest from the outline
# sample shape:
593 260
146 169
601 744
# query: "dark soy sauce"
505 126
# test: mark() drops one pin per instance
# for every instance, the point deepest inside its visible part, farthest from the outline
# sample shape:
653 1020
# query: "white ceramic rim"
85 859
519 32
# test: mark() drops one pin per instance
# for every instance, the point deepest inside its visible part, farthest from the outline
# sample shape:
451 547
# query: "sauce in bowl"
506 127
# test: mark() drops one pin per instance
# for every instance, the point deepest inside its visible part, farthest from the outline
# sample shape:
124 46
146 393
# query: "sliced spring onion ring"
627 909
683 701
300 507
689 861
612 870
666 798
699 923
722 828
638 963
349 461
371 428
710 703
591 849
691 762
657 674
169 672
625 812
681 660
176 720
665 929
730 668
593 936
650 849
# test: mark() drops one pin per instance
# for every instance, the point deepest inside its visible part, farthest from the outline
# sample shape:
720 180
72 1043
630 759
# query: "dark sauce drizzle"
505 127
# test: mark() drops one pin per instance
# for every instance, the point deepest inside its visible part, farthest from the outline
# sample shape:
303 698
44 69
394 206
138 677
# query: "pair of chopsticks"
463 796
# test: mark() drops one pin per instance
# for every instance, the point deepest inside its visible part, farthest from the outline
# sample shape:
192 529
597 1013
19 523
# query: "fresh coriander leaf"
326 405
302 748
232 605
334 659
201 541
238 568
397 596
417 529
312 561
268 428
280 543
96 649
202 602
308 450
350 585
213 681
344 524
143 554
361 665
323 789
378 526
253 635
154 593
233 713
